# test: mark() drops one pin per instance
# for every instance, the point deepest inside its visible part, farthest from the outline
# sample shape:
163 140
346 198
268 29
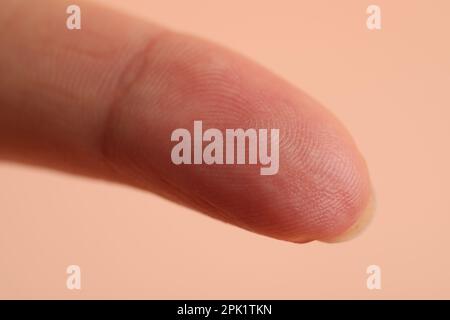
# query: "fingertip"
361 224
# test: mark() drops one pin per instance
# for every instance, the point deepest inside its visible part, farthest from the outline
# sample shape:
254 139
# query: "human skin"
102 101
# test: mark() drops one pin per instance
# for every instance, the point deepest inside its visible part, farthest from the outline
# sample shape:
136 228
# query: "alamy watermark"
227 148
73 281
373 281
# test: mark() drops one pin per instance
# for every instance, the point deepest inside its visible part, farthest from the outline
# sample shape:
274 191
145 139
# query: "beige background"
390 87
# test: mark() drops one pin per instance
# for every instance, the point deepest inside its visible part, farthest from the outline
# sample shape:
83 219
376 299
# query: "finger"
104 101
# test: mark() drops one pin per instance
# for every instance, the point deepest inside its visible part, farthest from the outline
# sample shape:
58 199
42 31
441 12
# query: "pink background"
390 88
